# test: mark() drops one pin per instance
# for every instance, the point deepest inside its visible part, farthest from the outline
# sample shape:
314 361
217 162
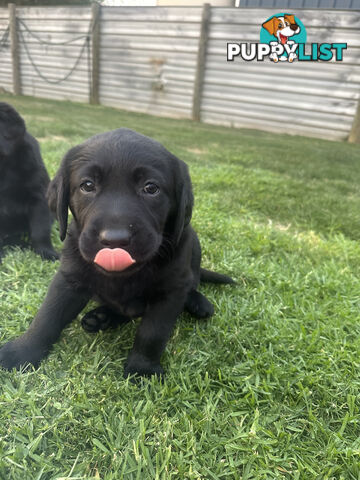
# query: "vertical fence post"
95 57
15 56
201 59
354 136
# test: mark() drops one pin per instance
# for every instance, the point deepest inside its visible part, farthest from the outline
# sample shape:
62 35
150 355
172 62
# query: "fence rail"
171 61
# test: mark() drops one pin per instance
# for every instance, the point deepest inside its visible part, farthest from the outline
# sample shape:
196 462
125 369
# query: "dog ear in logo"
272 25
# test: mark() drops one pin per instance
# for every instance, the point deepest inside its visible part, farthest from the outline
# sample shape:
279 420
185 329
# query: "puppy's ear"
290 18
58 200
184 202
58 193
271 25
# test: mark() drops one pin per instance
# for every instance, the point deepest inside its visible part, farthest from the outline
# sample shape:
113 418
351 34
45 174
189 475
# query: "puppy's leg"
198 305
102 318
61 305
151 336
40 229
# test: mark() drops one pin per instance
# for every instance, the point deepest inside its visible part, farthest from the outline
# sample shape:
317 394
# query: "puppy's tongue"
113 259
283 39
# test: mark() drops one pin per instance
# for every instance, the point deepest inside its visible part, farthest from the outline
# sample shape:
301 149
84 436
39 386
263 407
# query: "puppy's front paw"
16 354
198 305
140 366
102 318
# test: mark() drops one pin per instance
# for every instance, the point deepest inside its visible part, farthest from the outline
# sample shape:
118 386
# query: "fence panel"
53 43
148 58
306 98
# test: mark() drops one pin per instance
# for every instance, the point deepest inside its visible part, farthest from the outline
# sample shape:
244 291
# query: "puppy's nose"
115 238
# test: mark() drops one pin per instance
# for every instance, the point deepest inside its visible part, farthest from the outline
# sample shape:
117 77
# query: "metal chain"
86 44
41 75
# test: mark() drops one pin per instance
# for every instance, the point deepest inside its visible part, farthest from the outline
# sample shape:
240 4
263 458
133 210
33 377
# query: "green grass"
268 387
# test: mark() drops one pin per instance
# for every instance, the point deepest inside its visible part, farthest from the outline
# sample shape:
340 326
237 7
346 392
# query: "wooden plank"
95 55
151 14
305 86
256 16
56 13
267 97
124 55
147 69
76 40
32 86
354 136
284 115
153 45
28 72
158 111
165 29
150 42
43 28
308 75
287 123
15 55
273 126
52 64
37 92
46 53
162 98
145 73
289 78
201 60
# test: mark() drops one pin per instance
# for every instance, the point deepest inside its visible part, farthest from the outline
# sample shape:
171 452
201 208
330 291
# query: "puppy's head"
12 129
282 27
125 191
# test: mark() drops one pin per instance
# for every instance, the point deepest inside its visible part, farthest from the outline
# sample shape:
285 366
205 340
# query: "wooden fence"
171 61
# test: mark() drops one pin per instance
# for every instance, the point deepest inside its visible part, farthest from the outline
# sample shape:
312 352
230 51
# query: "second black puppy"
23 184
130 245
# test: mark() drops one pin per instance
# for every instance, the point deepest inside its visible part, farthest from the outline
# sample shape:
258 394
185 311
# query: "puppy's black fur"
23 184
124 190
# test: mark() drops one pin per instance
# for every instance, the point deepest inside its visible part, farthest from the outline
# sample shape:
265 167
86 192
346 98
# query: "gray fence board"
139 48
54 25
158 14
54 13
256 16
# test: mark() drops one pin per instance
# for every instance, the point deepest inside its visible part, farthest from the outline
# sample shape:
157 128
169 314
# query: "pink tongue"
113 259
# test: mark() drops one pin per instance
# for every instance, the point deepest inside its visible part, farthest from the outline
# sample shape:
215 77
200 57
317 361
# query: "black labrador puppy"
130 245
23 183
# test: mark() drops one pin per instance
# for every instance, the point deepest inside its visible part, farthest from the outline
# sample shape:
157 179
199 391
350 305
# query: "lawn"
267 388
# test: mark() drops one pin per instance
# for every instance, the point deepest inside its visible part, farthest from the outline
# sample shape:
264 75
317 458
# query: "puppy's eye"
151 189
87 186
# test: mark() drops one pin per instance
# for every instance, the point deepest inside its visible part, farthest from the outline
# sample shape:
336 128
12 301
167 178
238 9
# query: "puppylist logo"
283 39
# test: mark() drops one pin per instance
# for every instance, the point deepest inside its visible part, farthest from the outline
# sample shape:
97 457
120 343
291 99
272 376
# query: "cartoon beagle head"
282 27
